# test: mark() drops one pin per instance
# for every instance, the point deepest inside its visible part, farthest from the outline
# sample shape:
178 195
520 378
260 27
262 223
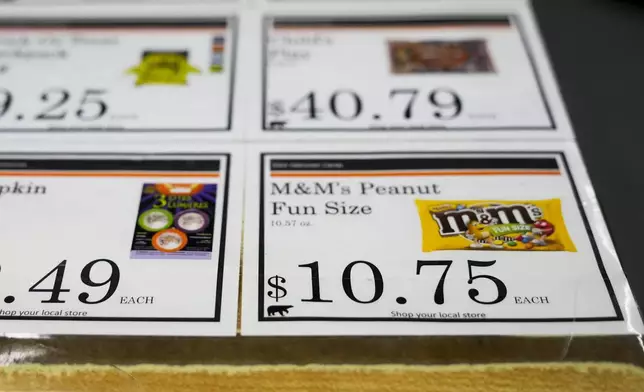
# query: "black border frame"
561 154
228 21
514 20
222 245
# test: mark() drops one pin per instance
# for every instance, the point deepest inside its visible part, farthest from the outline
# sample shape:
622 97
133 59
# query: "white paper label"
116 75
401 73
346 244
129 245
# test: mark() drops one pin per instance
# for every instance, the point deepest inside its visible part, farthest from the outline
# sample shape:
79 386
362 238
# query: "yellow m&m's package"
493 225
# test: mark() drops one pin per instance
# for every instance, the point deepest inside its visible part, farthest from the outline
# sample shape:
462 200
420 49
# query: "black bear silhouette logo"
277 124
281 309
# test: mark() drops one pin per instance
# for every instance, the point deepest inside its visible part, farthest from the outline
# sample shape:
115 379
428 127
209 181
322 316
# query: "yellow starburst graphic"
169 68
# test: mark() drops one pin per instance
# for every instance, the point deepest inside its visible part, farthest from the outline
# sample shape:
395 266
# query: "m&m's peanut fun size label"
530 225
415 238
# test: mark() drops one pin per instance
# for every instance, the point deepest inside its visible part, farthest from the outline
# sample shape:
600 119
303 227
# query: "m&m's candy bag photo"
529 225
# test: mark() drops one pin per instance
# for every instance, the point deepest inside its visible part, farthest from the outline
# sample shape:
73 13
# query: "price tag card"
127 245
116 75
472 239
434 72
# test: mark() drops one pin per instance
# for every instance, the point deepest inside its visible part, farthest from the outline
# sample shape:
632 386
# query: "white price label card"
425 70
120 244
116 74
428 239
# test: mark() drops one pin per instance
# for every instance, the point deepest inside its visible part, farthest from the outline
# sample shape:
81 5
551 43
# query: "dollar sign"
276 108
274 282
